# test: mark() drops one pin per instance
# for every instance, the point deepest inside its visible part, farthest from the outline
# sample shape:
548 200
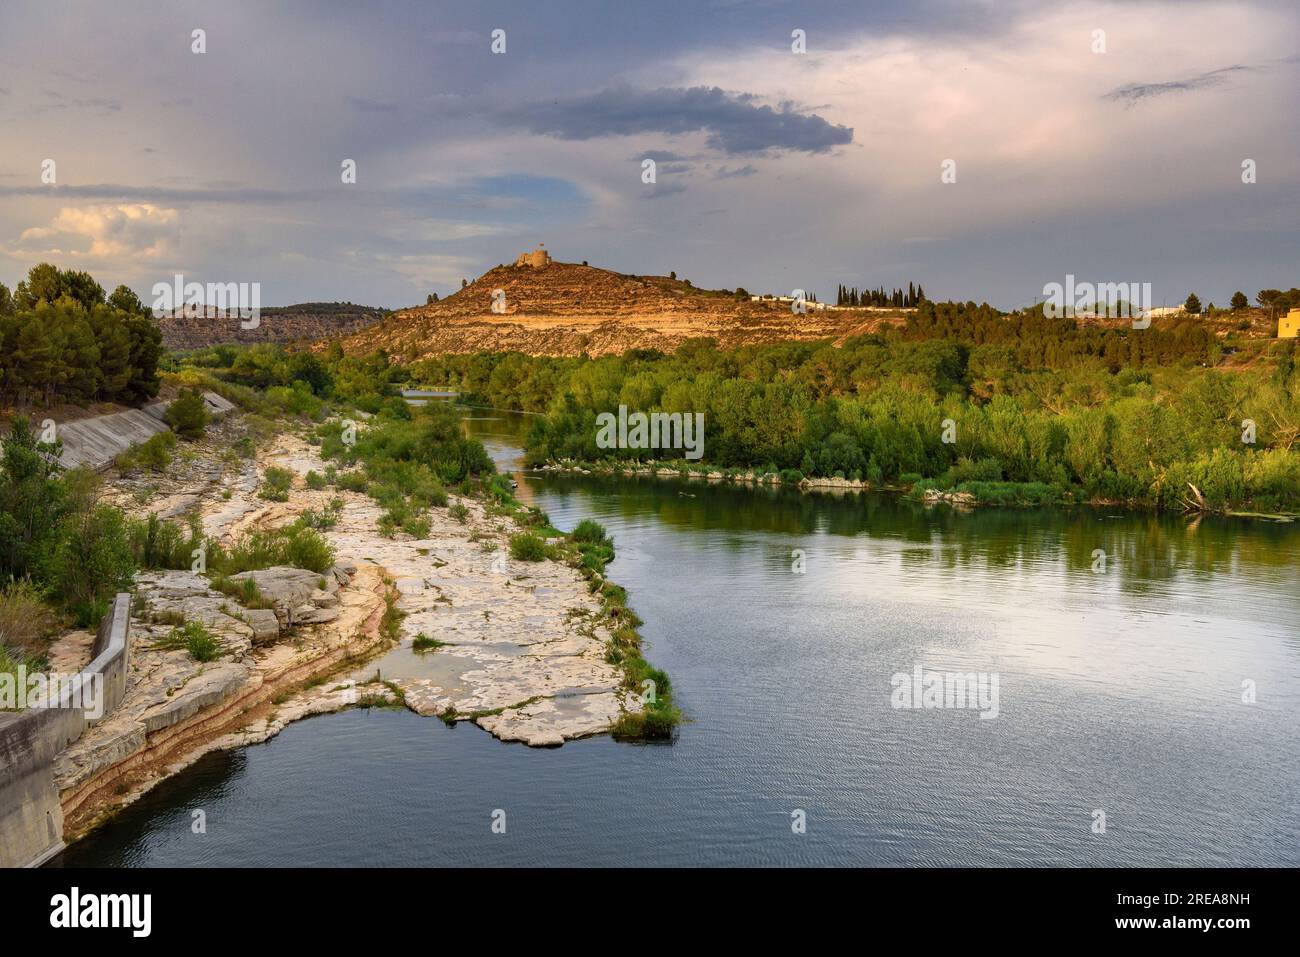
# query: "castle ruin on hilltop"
538 258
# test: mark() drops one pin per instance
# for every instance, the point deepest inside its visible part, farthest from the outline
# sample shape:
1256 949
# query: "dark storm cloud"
734 122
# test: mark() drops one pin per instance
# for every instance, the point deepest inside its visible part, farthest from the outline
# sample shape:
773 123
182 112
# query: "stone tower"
538 258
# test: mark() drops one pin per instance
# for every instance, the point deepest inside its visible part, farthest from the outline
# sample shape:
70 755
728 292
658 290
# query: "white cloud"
121 233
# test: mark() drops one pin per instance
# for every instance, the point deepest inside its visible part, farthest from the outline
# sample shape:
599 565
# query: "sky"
1100 140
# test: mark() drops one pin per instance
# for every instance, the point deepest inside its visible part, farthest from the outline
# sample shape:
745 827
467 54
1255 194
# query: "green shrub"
244 591
417 526
276 484
459 512
156 543
295 545
315 481
325 519
353 481
967 470
90 561
188 414
528 547
154 454
296 400
194 638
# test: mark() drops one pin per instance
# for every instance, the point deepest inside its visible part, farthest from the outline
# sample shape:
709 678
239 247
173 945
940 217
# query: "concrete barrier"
31 818
95 442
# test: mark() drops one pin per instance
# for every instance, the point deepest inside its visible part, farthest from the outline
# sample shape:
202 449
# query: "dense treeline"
298 381
851 296
1038 342
62 339
1075 420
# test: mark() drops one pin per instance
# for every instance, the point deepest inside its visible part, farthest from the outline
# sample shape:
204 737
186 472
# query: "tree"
1272 300
6 301
1239 300
146 350
42 282
32 499
1192 305
187 415
126 300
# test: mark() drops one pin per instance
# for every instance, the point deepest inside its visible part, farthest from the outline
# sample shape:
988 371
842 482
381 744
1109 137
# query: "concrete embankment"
31 814
96 441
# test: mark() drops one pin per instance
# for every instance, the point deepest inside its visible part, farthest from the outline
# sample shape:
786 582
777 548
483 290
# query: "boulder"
265 625
290 590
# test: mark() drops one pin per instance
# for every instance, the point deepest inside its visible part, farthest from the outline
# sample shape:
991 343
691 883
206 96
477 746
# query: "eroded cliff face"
569 309
305 322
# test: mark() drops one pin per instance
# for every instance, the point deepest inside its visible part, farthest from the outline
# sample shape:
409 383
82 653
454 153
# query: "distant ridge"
303 322
558 308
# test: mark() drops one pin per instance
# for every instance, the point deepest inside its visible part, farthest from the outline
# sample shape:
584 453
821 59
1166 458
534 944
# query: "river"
1123 689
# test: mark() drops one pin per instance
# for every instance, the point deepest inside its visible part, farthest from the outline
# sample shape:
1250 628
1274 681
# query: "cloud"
660 190
124 232
734 122
735 172
1135 92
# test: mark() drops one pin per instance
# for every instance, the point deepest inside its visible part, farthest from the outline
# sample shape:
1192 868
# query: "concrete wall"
95 442
31 819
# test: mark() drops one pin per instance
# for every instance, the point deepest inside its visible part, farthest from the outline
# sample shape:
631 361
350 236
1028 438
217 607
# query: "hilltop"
305 321
557 308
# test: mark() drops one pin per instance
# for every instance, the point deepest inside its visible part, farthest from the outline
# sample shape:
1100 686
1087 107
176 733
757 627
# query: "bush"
295 545
194 638
459 512
244 591
154 454
791 476
1011 493
26 622
156 543
528 547
276 484
325 519
90 561
417 526
315 481
296 400
966 470
589 531
188 414
353 481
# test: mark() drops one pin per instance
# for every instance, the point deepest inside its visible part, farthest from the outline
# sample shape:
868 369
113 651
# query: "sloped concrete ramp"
97 441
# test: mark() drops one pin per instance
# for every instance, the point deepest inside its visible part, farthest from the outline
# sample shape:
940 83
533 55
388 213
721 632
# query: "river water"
1123 689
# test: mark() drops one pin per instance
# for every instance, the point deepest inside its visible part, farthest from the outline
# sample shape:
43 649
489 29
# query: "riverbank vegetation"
1014 409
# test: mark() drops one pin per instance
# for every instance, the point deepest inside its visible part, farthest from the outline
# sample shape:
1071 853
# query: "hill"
305 321
557 309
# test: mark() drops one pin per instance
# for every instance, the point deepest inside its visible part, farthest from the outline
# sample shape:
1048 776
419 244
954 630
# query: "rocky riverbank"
445 624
